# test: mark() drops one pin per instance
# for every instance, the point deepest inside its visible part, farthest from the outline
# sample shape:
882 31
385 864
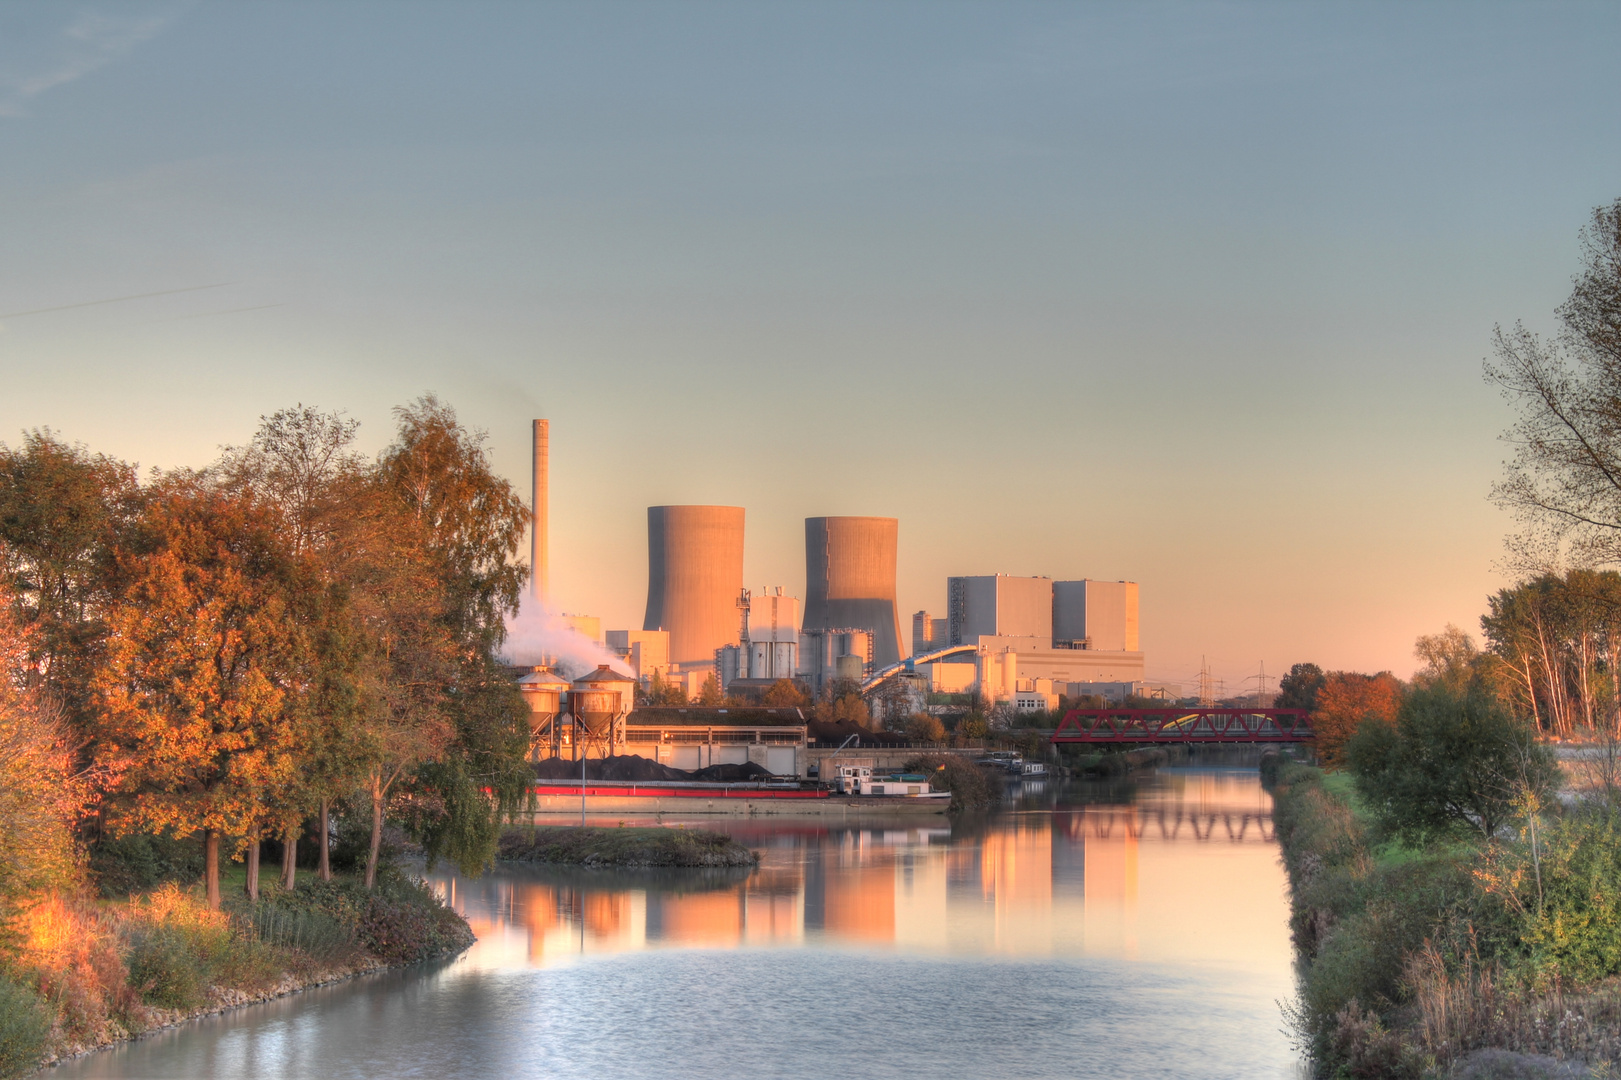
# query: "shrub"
970 788
126 864
1455 760
1562 890
25 1024
922 727
315 934
405 922
165 967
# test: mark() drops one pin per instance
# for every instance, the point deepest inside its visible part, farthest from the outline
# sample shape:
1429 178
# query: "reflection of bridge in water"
1127 727
1167 822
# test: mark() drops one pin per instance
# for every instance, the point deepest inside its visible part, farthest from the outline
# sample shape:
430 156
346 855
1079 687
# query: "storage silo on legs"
694 576
850 580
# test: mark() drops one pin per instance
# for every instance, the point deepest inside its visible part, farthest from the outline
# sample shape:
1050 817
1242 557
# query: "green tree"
663 693
1298 689
459 525
60 510
1455 759
300 466
709 696
1564 481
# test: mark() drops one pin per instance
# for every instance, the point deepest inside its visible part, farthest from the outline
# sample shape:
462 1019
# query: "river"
1109 929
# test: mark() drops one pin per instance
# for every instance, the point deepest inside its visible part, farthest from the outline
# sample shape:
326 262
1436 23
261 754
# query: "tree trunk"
211 867
289 857
376 832
252 860
326 843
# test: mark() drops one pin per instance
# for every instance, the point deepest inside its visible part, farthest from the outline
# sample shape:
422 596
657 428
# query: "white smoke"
539 636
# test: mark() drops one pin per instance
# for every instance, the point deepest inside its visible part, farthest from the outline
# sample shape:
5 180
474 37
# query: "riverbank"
1428 962
90 974
578 845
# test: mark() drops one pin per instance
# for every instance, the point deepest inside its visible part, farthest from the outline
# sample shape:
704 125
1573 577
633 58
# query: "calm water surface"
1125 930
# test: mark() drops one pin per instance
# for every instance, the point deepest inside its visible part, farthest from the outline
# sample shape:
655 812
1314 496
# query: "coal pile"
629 767
637 769
731 773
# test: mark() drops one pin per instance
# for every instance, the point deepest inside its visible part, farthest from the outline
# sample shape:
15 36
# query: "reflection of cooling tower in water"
694 573
850 580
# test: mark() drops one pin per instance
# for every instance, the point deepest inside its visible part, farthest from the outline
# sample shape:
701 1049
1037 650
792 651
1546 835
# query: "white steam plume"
538 636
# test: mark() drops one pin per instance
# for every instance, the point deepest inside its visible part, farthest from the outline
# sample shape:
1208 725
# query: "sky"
1195 295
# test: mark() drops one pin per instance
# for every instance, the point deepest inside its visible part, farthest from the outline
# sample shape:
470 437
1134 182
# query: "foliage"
1555 643
661 693
654 846
1298 688
842 702
1567 439
164 968
970 787
785 694
60 509
1358 921
404 922
973 726
923 727
1344 701
1448 657
204 639
709 695
1454 759
25 1024
1561 883
121 865
41 792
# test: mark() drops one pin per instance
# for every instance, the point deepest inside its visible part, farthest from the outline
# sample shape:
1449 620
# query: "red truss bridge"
1136 726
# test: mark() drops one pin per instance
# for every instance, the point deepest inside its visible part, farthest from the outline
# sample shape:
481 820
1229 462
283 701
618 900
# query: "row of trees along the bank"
237 648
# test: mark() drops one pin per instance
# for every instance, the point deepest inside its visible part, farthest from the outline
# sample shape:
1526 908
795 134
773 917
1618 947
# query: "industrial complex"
1019 641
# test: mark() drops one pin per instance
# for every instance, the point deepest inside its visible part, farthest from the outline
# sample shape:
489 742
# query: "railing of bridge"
1158 726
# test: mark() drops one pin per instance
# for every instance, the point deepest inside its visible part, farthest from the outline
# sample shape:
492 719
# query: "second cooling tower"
694 575
850 580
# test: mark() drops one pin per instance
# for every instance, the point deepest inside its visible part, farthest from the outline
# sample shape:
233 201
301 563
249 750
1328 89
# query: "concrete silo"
694 575
850 580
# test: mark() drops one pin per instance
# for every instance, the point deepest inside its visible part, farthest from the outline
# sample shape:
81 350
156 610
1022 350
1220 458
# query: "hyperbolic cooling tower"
694 576
850 580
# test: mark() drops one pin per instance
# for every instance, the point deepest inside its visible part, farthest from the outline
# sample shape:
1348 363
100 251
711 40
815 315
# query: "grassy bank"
587 846
1454 958
86 973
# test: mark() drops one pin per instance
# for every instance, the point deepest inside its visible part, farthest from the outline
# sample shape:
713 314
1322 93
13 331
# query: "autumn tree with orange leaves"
1344 701
206 644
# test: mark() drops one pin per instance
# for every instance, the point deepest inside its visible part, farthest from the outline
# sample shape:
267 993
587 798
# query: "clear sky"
1195 295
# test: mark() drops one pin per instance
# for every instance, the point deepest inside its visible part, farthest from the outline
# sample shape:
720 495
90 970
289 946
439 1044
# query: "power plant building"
850 580
646 651
694 576
768 648
1098 615
835 653
928 633
998 605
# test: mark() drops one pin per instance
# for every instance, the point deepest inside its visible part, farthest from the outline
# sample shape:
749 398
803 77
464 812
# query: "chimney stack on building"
537 527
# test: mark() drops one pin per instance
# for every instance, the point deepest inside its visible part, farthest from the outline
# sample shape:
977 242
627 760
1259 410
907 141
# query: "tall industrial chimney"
850 580
694 573
537 529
